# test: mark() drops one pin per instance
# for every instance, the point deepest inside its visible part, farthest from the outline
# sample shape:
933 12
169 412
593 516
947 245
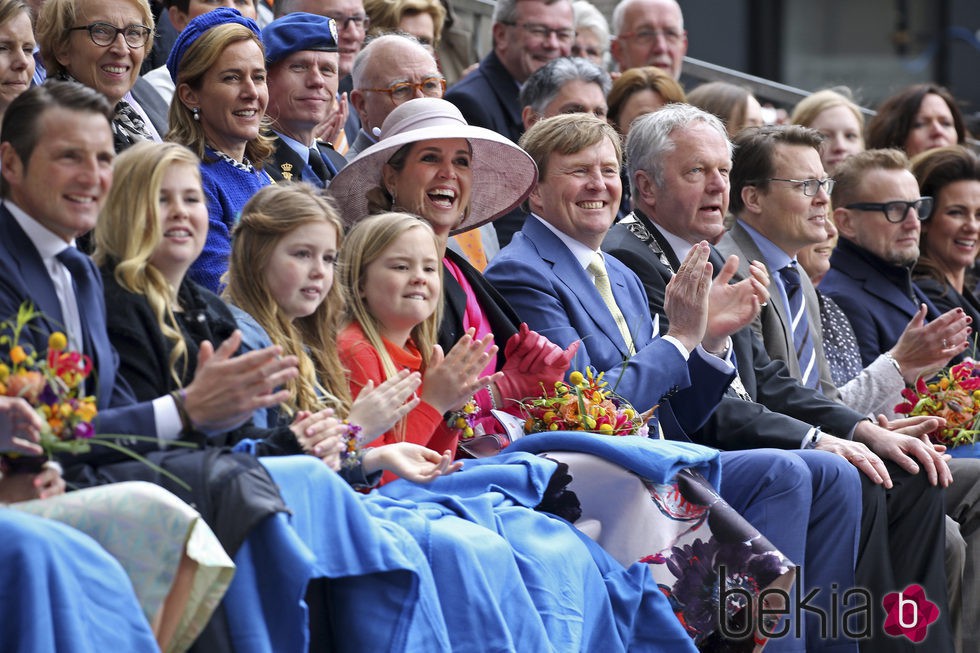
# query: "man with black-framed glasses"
781 199
878 211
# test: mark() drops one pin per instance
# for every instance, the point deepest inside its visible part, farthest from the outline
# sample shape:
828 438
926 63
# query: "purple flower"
84 430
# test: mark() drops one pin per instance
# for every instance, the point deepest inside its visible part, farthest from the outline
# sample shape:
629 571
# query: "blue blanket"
655 460
583 598
60 591
381 587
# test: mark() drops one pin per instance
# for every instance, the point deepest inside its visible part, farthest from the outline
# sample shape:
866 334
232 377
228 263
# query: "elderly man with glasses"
527 34
390 70
649 33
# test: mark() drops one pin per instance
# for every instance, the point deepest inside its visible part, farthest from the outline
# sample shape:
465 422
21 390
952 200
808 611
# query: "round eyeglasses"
405 91
103 34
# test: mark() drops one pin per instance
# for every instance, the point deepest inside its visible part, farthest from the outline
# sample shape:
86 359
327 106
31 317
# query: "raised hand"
451 379
532 359
733 306
378 409
686 299
924 349
226 388
329 130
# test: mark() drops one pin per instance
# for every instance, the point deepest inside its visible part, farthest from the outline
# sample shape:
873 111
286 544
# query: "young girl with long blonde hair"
292 235
391 271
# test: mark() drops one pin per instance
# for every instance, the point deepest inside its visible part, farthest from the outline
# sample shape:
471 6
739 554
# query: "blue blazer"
871 294
548 288
487 97
23 277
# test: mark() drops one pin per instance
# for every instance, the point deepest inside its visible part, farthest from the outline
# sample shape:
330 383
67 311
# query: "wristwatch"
811 442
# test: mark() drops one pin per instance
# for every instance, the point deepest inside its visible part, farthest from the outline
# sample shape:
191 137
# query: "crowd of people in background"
317 255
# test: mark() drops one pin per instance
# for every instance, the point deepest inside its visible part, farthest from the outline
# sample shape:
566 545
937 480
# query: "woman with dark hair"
218 65
950 239
915 119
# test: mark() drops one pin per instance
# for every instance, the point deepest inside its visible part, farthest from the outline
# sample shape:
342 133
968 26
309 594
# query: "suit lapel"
570 273
505 89
778 309
36 283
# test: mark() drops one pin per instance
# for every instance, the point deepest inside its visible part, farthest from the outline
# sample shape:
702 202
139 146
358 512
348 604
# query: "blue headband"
197 27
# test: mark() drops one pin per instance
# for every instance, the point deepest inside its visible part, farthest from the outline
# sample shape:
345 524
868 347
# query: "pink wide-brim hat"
503 173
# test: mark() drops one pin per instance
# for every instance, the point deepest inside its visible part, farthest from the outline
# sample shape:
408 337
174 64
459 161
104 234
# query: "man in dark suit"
56 153
526 35
681 161
551 276
870 276
301 53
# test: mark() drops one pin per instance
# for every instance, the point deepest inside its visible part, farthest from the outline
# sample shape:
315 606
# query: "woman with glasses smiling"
102 44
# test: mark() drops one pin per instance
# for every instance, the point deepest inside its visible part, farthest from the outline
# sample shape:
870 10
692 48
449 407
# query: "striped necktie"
802 340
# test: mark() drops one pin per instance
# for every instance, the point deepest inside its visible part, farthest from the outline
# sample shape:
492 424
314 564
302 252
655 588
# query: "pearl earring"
197 114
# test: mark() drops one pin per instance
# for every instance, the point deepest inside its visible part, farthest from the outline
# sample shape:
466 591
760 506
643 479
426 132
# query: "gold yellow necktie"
598 270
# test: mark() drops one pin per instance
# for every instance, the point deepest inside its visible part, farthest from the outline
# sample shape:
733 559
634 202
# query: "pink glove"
532 360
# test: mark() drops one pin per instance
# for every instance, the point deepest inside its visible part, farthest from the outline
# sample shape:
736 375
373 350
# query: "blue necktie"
802 340
87 297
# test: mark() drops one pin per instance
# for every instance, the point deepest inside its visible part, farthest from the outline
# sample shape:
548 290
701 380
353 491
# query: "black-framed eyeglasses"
405 91
810 186
103 34
361 21
542 32
648 36
896 210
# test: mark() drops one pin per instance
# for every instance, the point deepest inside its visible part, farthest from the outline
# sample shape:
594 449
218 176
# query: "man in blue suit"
56 153
549 275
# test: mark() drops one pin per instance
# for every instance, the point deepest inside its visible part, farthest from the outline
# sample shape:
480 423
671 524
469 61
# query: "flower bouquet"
584 403
53 383
954 395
